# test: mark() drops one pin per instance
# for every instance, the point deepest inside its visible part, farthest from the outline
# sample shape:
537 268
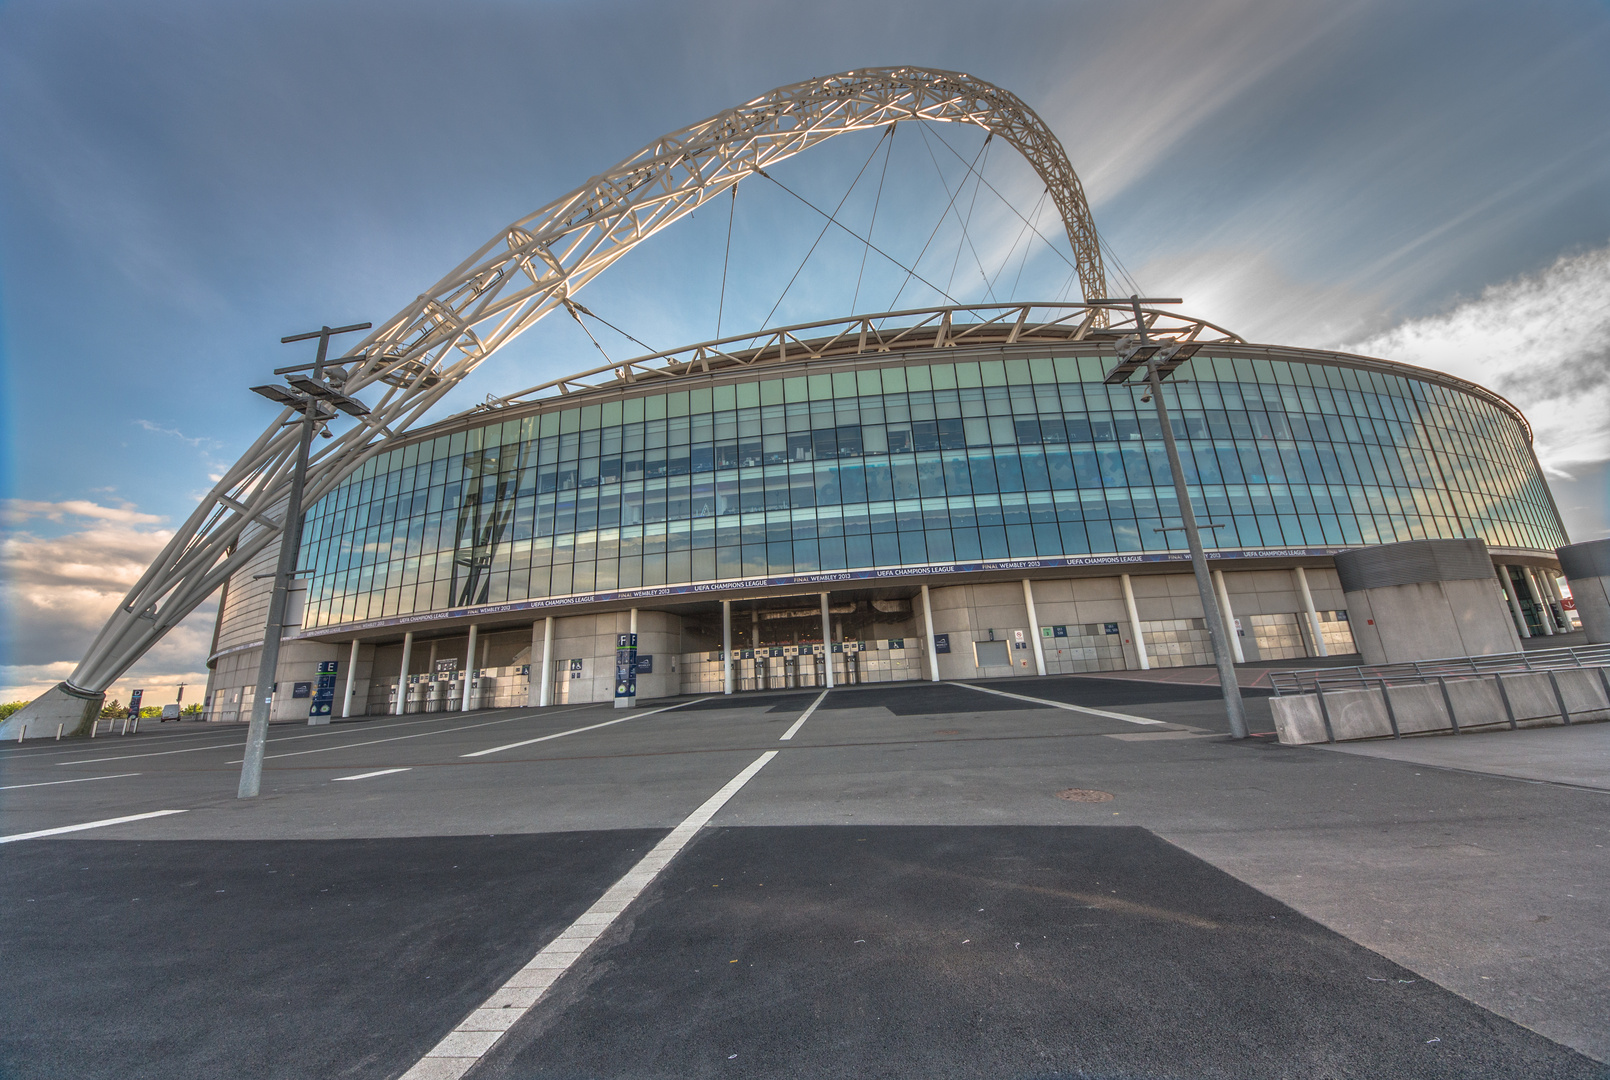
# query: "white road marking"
239 729
576 731
467 1043
231 745
1125 717
86 825
789 734
395 738
367 775
79 780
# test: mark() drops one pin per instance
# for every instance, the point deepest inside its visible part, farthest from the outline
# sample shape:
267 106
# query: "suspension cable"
571 307
1003 198
574 307
909 271
727 258
967 239
831 220
918 260
888 151
1123 271
1021 233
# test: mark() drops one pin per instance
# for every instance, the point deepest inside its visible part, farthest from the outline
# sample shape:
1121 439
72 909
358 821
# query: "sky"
182 184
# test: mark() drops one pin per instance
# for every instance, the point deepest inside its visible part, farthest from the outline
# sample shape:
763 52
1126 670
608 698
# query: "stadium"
935 493
898 481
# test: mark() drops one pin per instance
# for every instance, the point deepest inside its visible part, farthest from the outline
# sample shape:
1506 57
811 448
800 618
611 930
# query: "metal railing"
1310 680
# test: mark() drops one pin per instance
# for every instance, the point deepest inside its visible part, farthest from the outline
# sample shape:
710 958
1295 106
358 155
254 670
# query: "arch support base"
73 709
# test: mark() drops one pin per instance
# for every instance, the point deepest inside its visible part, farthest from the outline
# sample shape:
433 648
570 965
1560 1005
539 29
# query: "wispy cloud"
200 442
1542 340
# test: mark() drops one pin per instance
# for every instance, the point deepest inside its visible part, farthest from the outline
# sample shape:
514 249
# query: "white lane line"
1125 717
394 738
80 780
86 825
576 731
467 1043
230 745
789 734
367 775
239 729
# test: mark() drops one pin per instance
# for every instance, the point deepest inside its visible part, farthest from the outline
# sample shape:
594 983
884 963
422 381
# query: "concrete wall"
1587 567
299 662
1431 620
1477 702
591 638
1165 603
1592 598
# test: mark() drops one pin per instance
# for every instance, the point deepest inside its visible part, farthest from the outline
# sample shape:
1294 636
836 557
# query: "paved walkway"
1578 755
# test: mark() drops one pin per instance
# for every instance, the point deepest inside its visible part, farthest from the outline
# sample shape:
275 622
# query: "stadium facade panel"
867 477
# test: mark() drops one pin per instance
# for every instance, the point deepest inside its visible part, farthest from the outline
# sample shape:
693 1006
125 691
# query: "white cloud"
1542 340
57 591
16 512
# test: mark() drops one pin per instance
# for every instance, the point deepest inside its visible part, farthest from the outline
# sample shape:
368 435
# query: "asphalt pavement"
1200 907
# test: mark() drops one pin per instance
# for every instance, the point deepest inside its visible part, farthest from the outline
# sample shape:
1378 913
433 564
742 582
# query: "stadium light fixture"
312 397
1160 359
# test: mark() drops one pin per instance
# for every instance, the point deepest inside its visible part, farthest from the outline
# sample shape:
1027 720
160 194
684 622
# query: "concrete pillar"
469 676
1544 614
430 685
726 647
631 628
754 643
545 695
1229 617
1551 600
352 675
928 622
533 680
1514 602
402 678
1034 627
1313 615
827 643
1552 580
1134 623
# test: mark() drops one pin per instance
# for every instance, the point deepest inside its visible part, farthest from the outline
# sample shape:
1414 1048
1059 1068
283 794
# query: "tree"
192 709
10 707
114 710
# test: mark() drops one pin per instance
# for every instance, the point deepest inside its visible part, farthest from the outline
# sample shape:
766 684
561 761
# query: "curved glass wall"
910 466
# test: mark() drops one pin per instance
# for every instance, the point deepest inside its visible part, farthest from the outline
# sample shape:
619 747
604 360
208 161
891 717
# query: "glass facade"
911 465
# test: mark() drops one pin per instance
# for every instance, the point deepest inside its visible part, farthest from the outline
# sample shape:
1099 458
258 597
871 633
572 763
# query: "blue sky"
181 184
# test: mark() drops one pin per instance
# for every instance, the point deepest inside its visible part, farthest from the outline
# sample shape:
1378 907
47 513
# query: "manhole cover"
949 731
1079 794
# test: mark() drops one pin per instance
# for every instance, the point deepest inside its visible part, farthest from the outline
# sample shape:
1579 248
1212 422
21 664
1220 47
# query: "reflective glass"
912 466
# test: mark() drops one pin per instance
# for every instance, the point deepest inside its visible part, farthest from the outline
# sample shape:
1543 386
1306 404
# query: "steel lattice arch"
533 267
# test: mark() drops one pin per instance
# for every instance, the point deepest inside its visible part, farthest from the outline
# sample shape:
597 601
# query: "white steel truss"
950 327
525 272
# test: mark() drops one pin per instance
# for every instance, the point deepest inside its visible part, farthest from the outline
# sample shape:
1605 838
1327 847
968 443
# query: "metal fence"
1418 672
